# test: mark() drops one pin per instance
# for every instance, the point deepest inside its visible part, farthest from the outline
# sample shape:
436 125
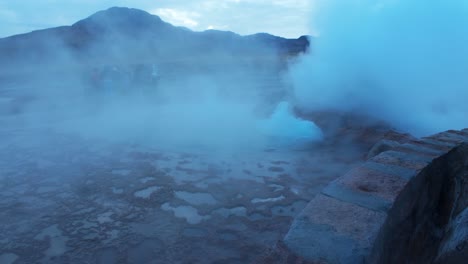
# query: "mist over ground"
127 76
125 139
202 111
401 61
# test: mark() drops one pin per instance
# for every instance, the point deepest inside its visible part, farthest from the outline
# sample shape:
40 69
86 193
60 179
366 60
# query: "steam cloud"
201 119
123 75
215 110
402 61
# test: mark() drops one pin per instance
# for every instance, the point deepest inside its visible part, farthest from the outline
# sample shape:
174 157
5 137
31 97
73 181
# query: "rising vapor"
402 61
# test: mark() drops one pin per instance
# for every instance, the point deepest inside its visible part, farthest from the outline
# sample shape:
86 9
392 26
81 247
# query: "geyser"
284 129
402 61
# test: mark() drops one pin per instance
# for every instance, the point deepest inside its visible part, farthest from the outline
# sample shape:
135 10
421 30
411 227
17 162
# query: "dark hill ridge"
133 35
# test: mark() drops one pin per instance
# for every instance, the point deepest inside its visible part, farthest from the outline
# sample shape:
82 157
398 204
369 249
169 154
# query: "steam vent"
126 139
407 204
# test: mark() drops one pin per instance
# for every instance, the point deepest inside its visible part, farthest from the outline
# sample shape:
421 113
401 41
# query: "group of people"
120 79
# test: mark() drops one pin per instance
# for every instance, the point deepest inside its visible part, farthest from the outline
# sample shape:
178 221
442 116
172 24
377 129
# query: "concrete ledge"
441 144
324 228
368 188
362 199
399 171
385 209
453 249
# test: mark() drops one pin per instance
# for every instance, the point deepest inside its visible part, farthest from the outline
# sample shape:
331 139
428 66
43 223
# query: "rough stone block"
454 248
420 149
382 146
368 188
436 142
399 171
333 231
402 159
363 199
436 145
447 138
420 217
452 138
405 205
455 134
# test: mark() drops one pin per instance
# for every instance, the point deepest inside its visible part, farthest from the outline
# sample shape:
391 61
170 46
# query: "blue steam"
402 61
284 129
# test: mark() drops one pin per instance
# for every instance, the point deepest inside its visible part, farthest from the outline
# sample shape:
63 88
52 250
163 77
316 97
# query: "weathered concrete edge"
423 223
305 237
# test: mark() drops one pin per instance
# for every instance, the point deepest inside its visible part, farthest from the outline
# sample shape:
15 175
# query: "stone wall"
407 204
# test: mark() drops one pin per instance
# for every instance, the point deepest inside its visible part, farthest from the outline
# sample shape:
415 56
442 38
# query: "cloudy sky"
288 18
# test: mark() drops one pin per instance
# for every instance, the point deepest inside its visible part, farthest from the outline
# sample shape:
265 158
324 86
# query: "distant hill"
124 35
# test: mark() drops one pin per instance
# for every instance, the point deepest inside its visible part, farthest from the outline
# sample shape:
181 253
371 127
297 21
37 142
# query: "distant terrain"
126 139
130 49
123 35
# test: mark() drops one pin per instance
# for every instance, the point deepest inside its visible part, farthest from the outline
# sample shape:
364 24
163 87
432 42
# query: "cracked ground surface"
65 199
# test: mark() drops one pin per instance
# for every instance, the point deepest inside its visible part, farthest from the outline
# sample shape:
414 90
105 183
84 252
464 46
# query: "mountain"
124 35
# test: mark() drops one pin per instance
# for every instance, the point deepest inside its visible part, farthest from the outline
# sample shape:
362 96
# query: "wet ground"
65 199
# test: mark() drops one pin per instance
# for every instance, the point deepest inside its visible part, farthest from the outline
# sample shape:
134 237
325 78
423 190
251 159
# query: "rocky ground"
65 199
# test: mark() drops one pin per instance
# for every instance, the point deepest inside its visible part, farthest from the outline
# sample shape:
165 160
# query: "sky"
286 18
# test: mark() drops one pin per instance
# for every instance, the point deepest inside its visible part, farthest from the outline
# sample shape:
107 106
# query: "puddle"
276 187
44 164
194 232
8 258
236 226
145 252
108 255
295 190
111 235
57 241
46 189
276 169
289 210
227 236
146 193
85 224
196 198
257 216
147 179
105 218
117 190
188 212
236 211
121 172
267 200
84 211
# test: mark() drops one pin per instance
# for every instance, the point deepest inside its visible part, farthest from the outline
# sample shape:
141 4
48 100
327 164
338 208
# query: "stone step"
341 224
437 142
399 171
436 146
335 231
368 188
402 159
449 138
420 149
461 133
456 136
